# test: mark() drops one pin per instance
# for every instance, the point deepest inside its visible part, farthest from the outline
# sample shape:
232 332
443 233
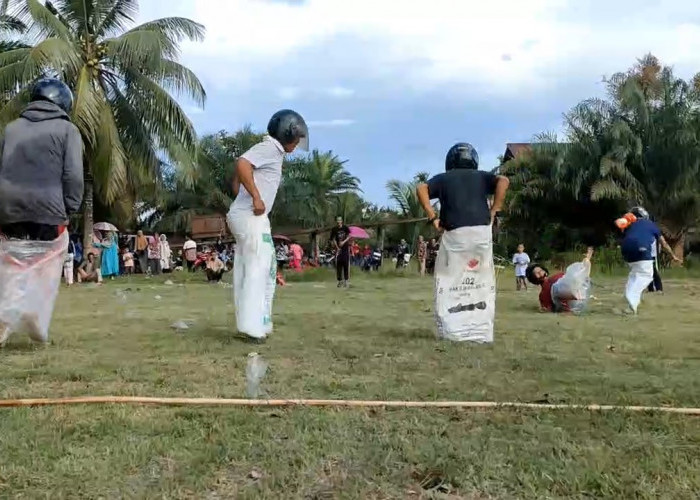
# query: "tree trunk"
314 248
88 215
675 239
381 232
678 245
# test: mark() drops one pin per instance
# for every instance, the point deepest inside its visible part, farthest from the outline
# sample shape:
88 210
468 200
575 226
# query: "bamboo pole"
337 403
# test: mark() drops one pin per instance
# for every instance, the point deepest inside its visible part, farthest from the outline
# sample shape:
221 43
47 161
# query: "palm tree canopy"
124 80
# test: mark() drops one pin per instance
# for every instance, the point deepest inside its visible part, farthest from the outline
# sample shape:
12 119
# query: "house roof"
515 149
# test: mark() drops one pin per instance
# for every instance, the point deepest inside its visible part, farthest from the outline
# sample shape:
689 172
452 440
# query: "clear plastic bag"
30 274
574 287
254 373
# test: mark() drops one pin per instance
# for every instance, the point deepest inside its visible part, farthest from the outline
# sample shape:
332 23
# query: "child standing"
128 259
68 272
521 261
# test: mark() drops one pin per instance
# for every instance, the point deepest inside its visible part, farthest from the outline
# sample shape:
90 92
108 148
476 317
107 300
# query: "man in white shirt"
259 172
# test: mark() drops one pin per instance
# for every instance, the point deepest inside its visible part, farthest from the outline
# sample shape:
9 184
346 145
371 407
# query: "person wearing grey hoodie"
41 166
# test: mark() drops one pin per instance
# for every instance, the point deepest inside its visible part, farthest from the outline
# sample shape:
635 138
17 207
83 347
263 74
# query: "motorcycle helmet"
287 126
52 90
639 212
462 155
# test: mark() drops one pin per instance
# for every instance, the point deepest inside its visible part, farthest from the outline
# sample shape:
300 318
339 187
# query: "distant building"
515 149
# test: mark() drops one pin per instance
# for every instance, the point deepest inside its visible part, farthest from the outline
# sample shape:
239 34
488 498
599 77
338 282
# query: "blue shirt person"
640 239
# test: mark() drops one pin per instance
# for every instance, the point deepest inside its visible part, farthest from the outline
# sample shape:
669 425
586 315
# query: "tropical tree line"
639 145
145 165
125 80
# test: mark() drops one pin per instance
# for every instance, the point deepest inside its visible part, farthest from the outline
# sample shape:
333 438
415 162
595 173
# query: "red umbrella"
358 233
280 237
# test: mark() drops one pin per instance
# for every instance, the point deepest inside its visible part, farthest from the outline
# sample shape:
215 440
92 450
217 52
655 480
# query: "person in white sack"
259 172
465 283
640 238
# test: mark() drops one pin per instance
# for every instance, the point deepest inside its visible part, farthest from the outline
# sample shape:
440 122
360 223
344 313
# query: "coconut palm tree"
404 196
641 145
122 78
311 186
651 145
181 197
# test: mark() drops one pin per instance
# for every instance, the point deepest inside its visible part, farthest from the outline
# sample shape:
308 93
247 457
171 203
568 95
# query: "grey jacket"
41 167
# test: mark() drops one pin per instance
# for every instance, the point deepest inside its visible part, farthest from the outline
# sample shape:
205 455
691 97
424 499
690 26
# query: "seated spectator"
89 270
215 268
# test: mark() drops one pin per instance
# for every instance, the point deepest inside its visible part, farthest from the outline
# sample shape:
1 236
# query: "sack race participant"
465 281
563 292
41 185
259 172
640 236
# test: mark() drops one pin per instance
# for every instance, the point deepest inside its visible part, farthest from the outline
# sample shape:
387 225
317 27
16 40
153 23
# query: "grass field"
373 341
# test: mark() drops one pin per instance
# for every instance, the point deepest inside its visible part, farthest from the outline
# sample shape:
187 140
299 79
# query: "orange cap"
626 220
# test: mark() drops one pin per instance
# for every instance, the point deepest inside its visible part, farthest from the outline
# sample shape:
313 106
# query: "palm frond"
42 21
111 16
178 79
87 107
176 29
109 169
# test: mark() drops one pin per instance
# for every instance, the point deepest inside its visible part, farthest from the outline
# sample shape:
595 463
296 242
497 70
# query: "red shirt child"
546 302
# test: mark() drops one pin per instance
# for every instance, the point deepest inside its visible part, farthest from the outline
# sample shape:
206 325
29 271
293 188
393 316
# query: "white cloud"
337 122
193 110
289 92
499 45
339 91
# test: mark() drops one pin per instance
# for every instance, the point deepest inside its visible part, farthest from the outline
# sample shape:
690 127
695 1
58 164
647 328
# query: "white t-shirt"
521 260
266 157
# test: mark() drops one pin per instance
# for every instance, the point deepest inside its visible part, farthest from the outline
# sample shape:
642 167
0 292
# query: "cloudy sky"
390 85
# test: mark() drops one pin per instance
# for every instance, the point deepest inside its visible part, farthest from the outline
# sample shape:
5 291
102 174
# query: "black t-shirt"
339 234
463 197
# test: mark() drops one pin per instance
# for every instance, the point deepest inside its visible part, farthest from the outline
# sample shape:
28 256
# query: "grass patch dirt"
373 341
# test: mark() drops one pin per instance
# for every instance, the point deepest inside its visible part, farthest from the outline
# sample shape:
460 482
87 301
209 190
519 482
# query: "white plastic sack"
465 285
640 276
254 273
576 282
30 274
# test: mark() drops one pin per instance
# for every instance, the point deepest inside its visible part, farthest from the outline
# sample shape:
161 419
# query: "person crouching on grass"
215 268
553 298
258 173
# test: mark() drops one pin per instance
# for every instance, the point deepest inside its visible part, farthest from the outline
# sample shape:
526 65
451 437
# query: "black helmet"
53 90
639 212
286 126
462 155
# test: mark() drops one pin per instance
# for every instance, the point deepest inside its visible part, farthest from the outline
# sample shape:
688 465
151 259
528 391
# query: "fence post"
314 247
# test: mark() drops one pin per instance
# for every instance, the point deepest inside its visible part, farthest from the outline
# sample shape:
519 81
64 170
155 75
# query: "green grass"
373 341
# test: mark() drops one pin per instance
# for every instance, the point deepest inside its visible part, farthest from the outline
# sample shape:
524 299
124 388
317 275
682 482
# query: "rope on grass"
337 403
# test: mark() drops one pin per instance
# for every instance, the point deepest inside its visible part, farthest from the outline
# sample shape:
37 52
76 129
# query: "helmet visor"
304 143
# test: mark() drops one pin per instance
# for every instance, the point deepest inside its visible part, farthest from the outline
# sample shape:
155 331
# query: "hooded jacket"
41 167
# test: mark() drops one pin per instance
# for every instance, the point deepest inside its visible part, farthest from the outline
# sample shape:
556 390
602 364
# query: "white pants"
254 273
68 270
641 274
